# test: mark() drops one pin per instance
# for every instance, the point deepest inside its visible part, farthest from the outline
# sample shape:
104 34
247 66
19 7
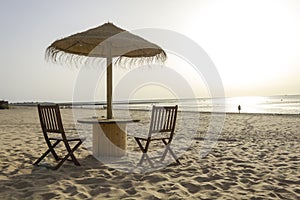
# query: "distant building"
3 104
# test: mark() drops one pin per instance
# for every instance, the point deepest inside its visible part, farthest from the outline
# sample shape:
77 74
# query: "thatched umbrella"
106 41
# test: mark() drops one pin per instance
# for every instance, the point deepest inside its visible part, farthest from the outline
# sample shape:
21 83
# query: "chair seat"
68 139
151 139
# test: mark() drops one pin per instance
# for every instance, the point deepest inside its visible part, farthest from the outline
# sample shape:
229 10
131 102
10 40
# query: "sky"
254 44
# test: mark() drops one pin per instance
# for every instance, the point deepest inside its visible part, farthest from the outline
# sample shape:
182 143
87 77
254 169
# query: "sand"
257 156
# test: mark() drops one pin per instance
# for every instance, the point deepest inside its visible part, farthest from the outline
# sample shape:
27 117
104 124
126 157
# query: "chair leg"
50 149
73 156
149 160
168 148
145 155
142 159
174 156
70 153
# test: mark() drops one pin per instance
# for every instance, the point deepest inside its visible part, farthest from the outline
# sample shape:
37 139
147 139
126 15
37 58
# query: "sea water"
283 104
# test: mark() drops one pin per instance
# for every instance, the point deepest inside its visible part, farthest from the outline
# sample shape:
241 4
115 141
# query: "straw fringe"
64 58
137 61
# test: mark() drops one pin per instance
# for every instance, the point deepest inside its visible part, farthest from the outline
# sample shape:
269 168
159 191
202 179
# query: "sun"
252 43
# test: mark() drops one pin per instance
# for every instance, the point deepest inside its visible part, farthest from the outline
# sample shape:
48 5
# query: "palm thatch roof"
104 41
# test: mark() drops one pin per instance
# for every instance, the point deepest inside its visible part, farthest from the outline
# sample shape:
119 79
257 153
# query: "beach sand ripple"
256 157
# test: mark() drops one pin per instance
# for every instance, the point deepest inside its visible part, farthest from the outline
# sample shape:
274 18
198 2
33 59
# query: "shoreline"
185 111
276 104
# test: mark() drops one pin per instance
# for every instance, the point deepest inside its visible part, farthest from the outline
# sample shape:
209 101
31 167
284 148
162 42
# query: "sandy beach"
257 156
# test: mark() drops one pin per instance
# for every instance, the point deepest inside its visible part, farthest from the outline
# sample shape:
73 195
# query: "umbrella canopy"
105 41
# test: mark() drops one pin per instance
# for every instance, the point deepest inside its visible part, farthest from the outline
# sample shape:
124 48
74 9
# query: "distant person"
239 108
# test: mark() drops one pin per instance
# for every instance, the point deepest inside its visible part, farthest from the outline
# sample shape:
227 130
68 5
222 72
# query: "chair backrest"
50 118
163 119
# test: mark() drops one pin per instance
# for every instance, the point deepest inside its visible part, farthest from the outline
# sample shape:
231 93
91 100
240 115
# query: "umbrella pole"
109 86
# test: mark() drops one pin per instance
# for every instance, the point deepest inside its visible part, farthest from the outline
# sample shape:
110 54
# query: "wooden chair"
162 127
52 126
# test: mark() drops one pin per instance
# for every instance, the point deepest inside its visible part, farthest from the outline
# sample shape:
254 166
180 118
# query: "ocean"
281 104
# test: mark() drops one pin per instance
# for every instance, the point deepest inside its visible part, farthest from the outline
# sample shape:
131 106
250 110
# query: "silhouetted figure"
239 108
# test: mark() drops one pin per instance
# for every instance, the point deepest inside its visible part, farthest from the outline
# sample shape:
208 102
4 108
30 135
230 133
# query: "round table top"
92 120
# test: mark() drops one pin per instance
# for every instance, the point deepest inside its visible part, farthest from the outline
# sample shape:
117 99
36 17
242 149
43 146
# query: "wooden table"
109 136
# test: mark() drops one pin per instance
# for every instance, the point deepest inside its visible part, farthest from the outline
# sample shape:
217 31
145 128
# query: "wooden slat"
50 118
162 119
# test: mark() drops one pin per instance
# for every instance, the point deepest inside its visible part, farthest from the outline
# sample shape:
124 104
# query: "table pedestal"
109 136
109 139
